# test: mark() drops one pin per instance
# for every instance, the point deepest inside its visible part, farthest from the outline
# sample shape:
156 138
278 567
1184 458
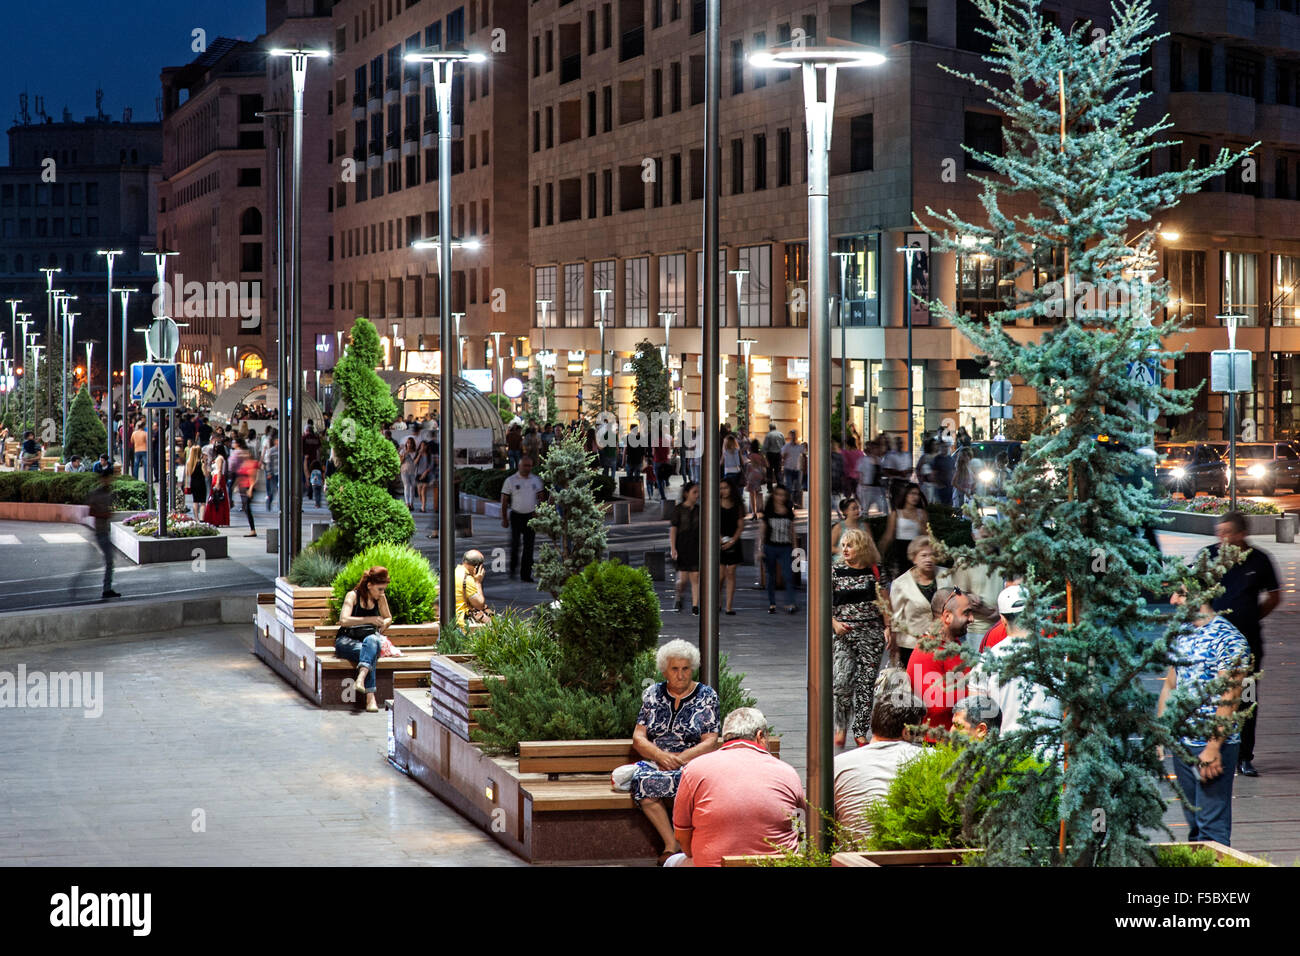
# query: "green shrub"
509 640
918 813
608 614
314 569
36 489
603 486
367 515
329 545
86 435
129 494
1185 856
11 483
412 585
483 482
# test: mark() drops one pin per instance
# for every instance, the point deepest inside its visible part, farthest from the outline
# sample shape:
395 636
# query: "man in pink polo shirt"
737 800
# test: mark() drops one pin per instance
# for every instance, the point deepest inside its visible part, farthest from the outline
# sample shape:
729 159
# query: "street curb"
122 619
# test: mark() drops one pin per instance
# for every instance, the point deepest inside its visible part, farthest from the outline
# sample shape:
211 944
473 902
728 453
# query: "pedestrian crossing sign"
153 384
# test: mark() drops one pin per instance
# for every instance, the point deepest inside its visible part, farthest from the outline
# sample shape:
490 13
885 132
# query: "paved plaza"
192 721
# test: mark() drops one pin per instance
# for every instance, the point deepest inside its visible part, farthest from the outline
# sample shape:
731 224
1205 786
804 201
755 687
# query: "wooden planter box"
456 689
952 857
299 608
163 550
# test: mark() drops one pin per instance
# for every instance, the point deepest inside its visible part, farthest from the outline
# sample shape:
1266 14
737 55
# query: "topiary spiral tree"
363 508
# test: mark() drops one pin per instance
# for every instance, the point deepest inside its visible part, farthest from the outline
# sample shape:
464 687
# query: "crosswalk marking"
62 538
9 539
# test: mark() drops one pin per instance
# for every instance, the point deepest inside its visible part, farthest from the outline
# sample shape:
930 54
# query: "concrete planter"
1188 523
164 550
473 504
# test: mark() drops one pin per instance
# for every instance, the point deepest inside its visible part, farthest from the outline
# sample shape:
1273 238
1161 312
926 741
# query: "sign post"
156 384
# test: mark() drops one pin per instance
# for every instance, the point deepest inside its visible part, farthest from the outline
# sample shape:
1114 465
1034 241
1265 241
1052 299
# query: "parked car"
1188 468
991 463
1267 466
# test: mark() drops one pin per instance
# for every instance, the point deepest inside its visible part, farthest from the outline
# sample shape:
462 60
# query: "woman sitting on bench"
362 619
679 720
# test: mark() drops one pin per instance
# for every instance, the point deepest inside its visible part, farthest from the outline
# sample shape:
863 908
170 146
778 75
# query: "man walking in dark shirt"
100 501
1250 593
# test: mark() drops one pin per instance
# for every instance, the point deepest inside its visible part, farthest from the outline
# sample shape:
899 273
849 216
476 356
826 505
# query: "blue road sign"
154 384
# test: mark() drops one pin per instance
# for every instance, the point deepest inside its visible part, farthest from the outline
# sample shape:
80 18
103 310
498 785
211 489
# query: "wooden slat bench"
417 642
554 757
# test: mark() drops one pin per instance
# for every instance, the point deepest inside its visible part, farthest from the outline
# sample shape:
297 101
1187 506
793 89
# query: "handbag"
358 632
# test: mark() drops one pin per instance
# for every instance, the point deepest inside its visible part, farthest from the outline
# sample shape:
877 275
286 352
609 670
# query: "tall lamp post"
125 295
603 294
49 327
282 370
844 258
64 330
496 361
740 275
13 338
667 318
109 255
545 360
910 252
25 321
818 118
69 355
293 434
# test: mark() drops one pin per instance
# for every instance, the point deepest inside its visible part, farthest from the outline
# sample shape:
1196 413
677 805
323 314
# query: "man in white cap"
1015 698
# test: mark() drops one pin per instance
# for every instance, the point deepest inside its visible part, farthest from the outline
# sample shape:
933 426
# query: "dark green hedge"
59 488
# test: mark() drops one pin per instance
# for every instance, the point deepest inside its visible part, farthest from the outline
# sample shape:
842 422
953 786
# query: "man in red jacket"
941 683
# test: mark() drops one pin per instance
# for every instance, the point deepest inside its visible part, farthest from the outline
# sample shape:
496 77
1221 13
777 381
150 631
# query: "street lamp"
293 434
70 322
496 360
542 357
109 255
25 320
818 119
1230 320
282 370
49 326
125 295
908 251
604 294
667 318
844 258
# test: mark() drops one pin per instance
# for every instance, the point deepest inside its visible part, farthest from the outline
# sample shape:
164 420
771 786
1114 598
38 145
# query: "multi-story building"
71 189
615 146
212 211
386 196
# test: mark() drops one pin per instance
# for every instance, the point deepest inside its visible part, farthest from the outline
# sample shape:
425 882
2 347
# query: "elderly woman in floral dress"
679 720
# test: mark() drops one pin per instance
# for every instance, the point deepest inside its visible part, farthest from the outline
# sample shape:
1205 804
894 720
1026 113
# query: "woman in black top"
684 544
778 545
860 633
362 620
732 525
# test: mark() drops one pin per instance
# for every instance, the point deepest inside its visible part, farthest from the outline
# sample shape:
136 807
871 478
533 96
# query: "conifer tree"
650 389
86 434
359 500
570 516
1066 190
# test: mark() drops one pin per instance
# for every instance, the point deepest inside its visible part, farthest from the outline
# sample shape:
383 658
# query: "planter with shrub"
412 585
186 539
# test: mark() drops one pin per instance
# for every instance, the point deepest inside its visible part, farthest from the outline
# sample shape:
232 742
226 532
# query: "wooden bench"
554 757
417 642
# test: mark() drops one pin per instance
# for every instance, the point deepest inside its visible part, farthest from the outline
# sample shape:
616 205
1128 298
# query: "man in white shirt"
1015 698
791 456
863 776
869 488
519 497
897 468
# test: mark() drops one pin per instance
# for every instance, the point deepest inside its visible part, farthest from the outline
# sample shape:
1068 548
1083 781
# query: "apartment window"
1185 273
917 22
1281 179
1176 68
92 194
631 101
656 93
1240 292
796 280
1234 180
810 28
657 186
631 21
760 161
697 174
656 14
760 76
591 195
724 282
606 27
537 207
550 204
864 22
602 277
1205 70
697 17
573 297
537 130
675 88
675 169
570 52
570 199
969 21
607 98
636 292
983 134
738 67
544 291
980 290
861 143
487 217
1286 276
607 192
591 33
591 112
631 189
697 80
737 166
550 51
755 304
1243 75
537 56
550 127
483 148
783 157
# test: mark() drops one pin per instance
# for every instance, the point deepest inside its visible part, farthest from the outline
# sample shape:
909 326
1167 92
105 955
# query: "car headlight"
1256 471
985 475
1178 474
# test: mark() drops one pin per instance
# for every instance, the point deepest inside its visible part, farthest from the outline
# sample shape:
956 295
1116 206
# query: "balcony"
392 141
631 45
375 97
392 89
374 160
1277 30
1233 18
1217 213
410 84
1213 114
429 139
571 68
411 131
359 153
1275 123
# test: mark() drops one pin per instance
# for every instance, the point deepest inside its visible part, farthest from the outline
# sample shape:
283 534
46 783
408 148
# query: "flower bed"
179 525
1210 505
